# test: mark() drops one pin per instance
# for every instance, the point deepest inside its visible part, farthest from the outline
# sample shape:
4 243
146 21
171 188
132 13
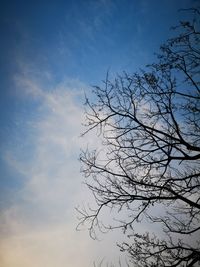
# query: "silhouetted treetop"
148 167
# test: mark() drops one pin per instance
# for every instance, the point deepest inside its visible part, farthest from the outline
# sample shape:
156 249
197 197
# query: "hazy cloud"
38 228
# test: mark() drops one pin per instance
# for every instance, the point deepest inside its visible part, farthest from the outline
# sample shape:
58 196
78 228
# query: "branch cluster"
150 126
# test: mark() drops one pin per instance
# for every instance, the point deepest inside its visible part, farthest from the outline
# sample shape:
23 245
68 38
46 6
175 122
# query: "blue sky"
51 53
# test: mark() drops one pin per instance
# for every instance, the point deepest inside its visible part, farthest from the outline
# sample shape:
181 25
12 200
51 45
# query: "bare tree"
149 123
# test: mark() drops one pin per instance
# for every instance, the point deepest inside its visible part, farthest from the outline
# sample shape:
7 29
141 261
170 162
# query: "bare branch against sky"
147 170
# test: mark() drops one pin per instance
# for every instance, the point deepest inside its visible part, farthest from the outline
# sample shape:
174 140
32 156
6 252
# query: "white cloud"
38 229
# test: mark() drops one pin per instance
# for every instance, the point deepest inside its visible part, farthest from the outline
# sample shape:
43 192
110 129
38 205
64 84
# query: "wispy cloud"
51 172
38 228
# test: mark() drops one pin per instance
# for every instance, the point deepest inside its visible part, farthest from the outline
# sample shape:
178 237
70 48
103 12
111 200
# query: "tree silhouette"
148 167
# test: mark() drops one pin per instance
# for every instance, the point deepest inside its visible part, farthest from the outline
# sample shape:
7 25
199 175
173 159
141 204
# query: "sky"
51 54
